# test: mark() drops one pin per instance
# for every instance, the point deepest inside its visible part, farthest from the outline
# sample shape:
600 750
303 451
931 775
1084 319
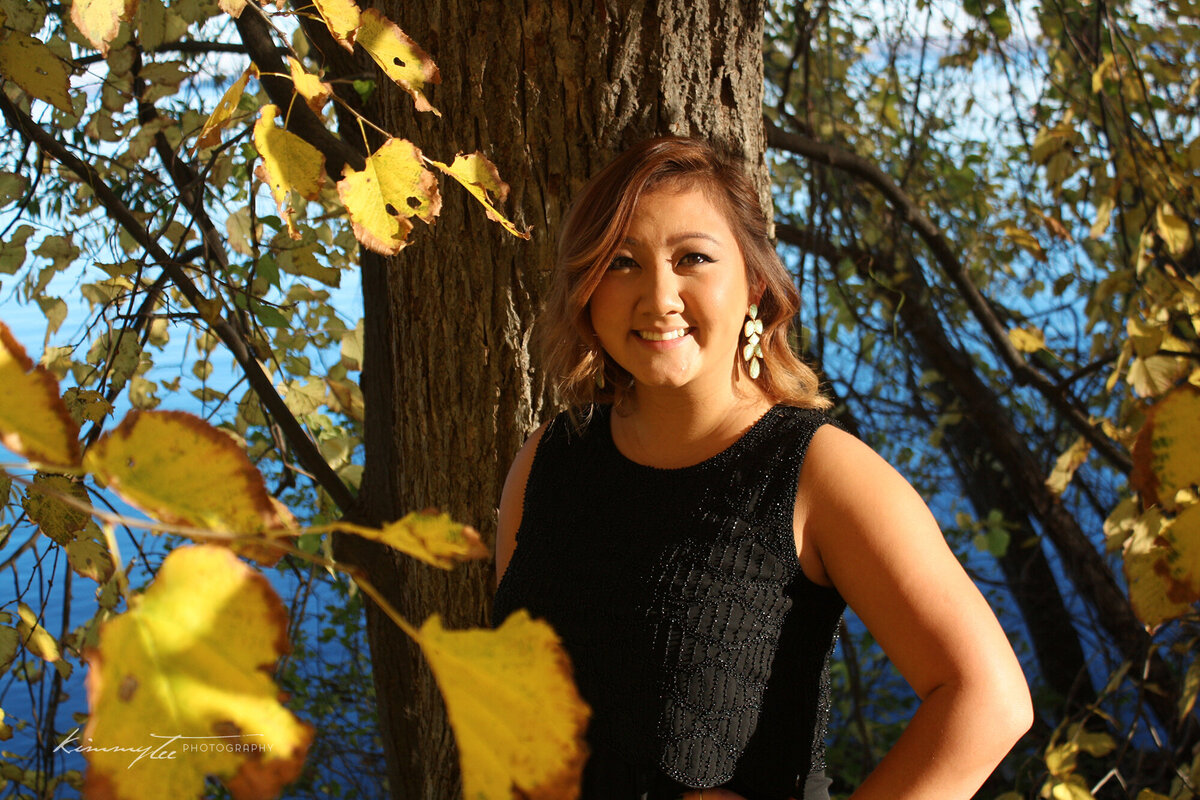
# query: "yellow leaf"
1103 218
88 555
1026 241
34 422
188 669
34 636
290 164
32 66
1187 698
233 8
9 639
1027 340
86 405
482 179
179 469
1067 464
1094 744
1148 571
342 19
398 56
314 91
1060 759
347 398
1147 794
1151 376
1173 230
210 134
1166 454
432 537
393 186
57 519
1071 789
517 716
99 20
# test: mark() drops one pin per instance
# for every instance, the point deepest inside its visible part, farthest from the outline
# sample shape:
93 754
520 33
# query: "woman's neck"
670 428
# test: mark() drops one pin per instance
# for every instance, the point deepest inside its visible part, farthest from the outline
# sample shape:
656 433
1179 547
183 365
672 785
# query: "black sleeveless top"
696 639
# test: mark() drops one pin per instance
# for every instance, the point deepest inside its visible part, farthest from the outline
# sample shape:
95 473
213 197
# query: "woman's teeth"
655 336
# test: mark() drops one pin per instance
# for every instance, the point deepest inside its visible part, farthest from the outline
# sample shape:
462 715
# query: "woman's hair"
596 226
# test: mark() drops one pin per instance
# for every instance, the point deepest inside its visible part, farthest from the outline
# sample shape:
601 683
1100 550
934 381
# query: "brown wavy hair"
593 231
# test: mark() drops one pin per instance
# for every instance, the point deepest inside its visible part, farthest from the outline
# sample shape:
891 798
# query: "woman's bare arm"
512 502
876 541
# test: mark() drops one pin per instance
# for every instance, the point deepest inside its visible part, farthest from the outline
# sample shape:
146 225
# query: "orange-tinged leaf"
210 134
432 537
179 469
1026 241
482 179
1166 455
1162 565
342 19
31 65
516 714
34 422
398 56
233 8
192 658
314 91
99 20
290 164
393 186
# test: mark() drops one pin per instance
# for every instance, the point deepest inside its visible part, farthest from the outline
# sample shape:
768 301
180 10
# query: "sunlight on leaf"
393 186
34 422
233 8
290 164
398 56
1173 230
1158 581
1067 464
1166 455
1027 340
35 638
342 19
482 179
432 537
179 469
517 716
193 657
56 518
314 91
34 67
99 20
210 134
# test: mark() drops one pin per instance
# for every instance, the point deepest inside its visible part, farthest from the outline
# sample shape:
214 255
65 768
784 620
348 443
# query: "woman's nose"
660 294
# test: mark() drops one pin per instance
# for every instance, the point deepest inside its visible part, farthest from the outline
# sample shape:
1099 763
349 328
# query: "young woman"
694 525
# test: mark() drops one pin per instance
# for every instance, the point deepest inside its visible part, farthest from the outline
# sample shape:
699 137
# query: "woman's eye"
695 258
621 262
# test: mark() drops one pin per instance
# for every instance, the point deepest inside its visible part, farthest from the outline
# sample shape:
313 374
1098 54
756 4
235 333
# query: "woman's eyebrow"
678 237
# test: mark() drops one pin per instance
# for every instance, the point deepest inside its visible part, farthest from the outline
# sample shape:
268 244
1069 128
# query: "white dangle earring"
752 349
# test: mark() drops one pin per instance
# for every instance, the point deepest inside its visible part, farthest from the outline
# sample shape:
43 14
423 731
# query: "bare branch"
908 211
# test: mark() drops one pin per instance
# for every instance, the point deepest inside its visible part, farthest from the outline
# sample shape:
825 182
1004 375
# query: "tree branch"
307 452
256 35
908 210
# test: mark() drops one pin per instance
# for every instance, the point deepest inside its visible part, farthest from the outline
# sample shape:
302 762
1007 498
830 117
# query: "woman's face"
670 307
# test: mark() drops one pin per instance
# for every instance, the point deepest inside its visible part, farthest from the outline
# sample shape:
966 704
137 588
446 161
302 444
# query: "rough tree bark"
549 92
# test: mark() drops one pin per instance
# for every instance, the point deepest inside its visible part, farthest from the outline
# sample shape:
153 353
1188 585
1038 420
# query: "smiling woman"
693 525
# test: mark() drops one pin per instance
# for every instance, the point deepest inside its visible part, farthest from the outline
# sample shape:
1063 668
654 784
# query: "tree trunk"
549 92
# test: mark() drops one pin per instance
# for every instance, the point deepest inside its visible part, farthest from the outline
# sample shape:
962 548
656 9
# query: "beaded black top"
695 637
